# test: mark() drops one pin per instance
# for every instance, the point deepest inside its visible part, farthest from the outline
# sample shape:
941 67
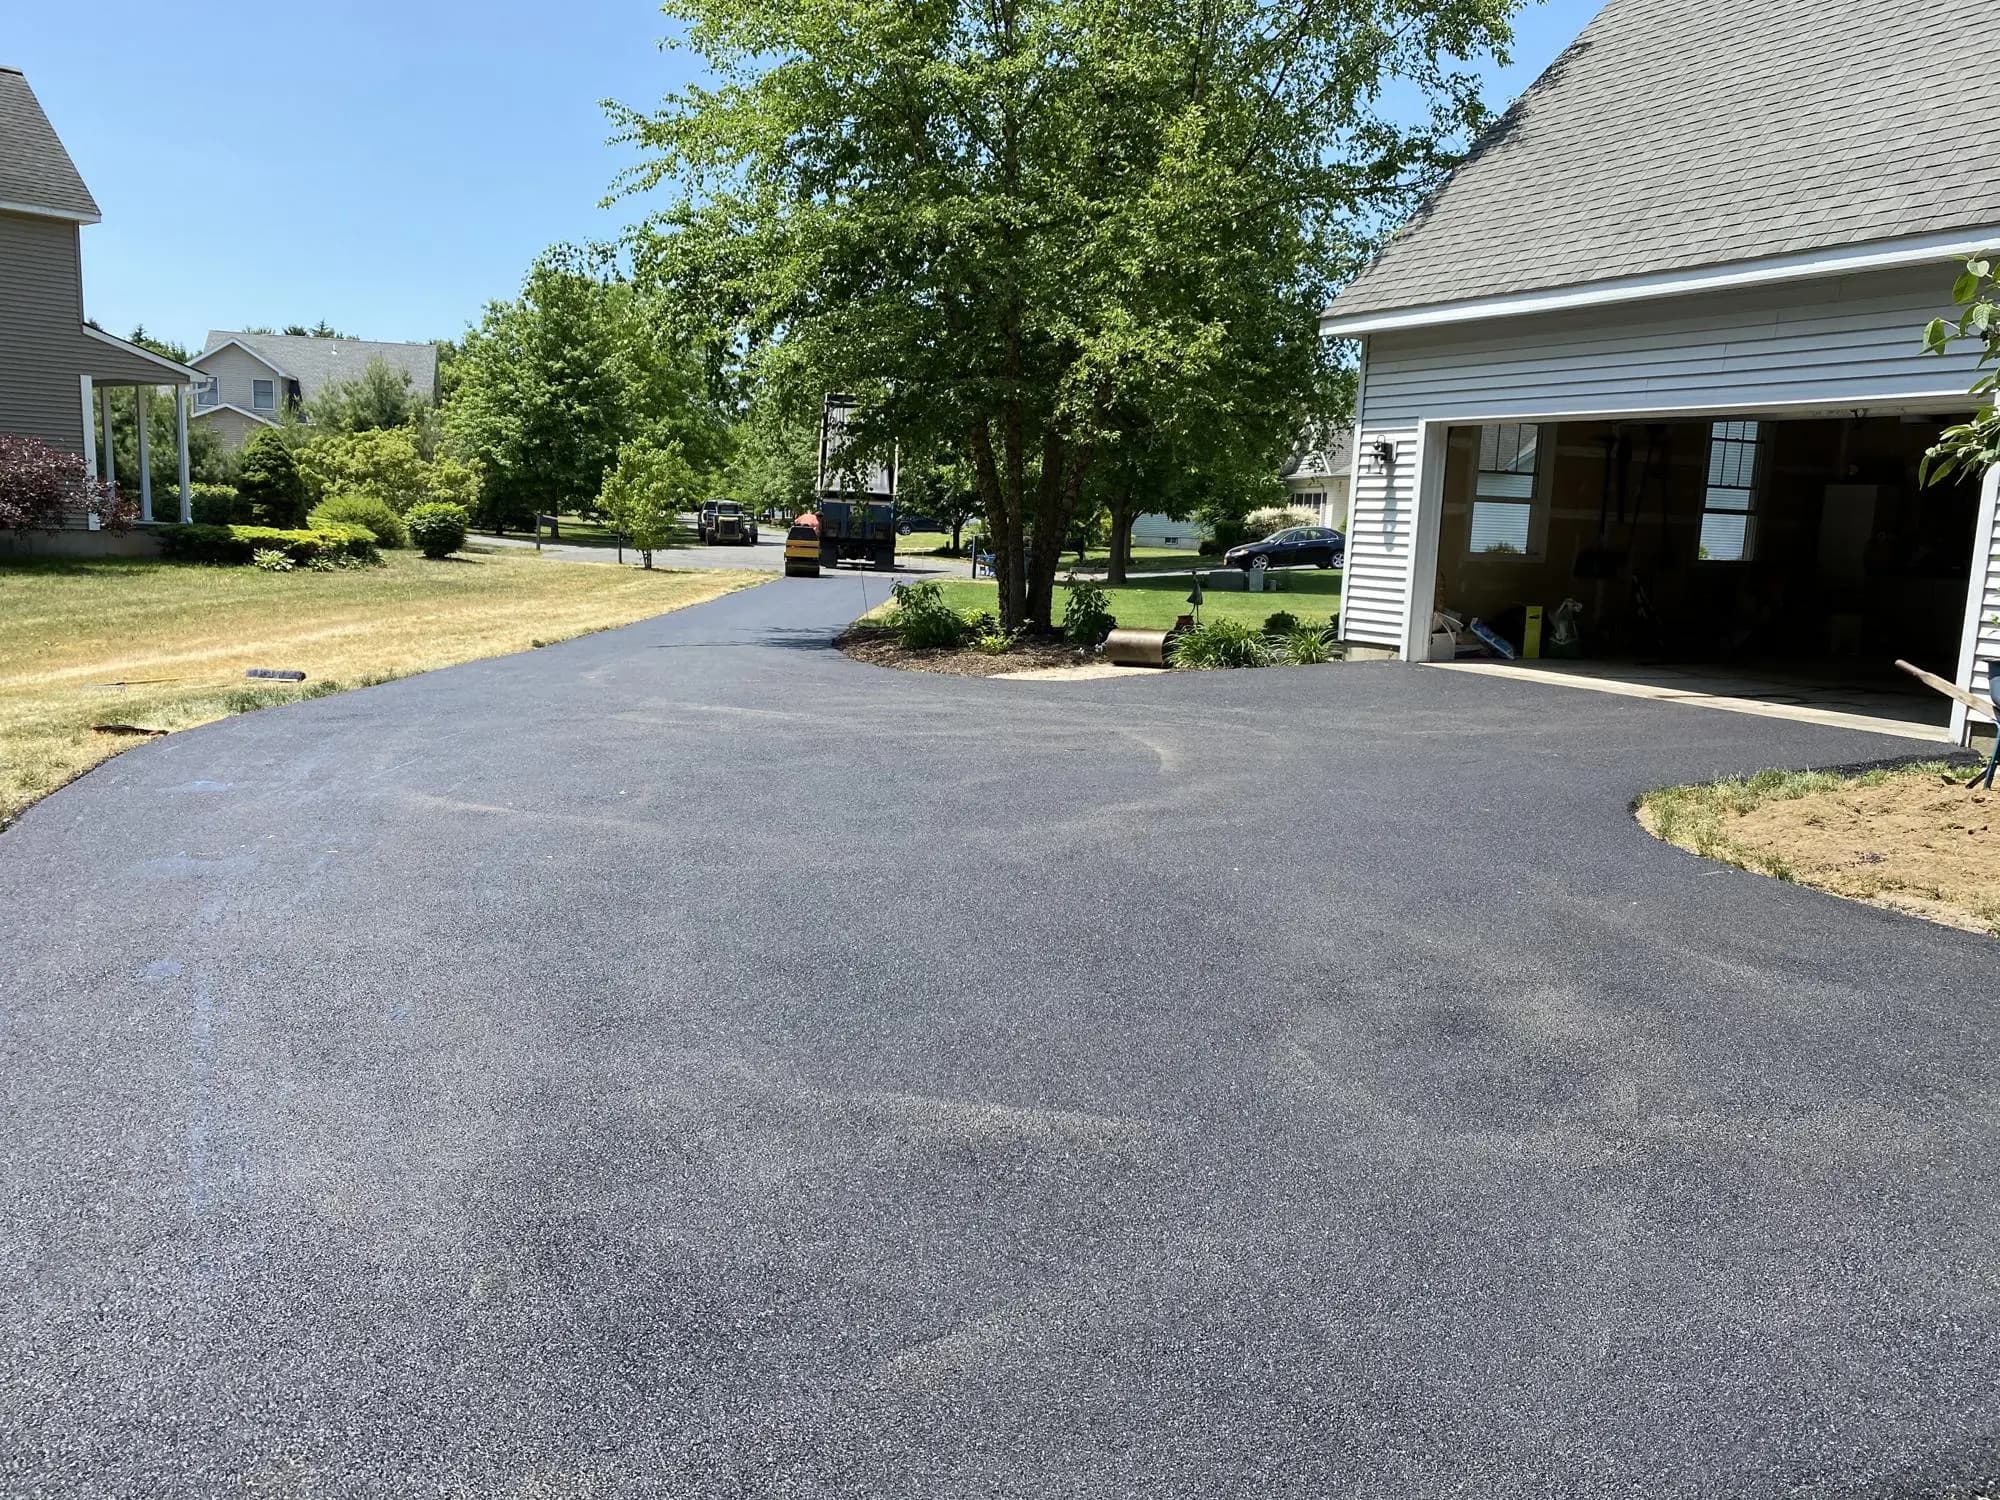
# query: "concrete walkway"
686 1062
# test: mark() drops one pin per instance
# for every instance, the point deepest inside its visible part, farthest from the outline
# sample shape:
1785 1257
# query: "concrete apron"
1770 698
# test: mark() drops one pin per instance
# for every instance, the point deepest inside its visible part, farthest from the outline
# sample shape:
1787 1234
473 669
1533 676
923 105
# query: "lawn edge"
1938 914
734 586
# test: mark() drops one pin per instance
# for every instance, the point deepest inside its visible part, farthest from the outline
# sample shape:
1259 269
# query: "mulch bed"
880 648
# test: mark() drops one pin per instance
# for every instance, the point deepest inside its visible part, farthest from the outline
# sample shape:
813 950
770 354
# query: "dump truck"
857 531
724 523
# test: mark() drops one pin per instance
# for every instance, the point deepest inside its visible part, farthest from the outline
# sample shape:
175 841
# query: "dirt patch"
1912 839
881 648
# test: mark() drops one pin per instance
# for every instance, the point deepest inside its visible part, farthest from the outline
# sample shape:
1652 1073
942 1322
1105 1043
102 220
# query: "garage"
1657 346
1745 558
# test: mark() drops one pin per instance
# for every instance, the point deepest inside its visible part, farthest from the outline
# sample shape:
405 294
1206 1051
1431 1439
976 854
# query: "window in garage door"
1503 500
1729 504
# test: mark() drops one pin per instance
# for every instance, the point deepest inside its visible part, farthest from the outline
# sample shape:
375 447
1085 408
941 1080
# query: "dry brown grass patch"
1910 838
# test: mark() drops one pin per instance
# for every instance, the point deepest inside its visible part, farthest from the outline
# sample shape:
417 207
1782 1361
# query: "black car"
906 523
1302 546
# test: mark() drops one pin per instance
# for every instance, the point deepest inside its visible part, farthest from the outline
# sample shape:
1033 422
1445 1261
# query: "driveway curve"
686 1062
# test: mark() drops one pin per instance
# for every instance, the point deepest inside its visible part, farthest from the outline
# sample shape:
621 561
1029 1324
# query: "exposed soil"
879 647
1915 841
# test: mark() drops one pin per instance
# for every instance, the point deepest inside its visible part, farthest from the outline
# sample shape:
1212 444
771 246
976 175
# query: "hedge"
237 545
219 505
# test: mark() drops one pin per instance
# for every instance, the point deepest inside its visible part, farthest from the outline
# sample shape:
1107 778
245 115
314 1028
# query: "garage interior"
1786 562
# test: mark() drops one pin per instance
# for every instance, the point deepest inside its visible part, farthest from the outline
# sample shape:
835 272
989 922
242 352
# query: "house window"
206 393
1503 497
1729 504
263 396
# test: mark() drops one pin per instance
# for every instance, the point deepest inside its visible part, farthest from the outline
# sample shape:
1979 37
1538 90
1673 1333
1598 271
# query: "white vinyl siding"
1982 626
1837 342
1381 533
1841 340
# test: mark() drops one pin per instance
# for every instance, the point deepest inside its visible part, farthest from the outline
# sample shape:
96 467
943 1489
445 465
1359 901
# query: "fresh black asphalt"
685 1061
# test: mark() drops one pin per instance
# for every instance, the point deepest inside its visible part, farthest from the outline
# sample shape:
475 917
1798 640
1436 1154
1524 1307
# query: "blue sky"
388 167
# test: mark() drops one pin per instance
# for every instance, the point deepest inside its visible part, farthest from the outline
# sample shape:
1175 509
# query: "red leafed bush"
41 488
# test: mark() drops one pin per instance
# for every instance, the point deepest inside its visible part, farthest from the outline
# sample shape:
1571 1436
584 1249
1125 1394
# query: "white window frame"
1727 437
1534 501
208 393
264 385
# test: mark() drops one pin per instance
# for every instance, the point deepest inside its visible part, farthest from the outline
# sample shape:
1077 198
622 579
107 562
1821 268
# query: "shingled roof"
1676 134
318 363
36 174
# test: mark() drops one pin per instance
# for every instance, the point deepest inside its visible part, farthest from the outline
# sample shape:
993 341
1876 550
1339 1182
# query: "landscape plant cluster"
1283 641
42 487
923 620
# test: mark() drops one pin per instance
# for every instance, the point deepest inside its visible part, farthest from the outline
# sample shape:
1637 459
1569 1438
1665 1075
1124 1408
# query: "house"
1317 476
248 379
1655 347
60 375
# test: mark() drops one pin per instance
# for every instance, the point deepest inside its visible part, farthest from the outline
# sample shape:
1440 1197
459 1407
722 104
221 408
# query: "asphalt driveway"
686 1062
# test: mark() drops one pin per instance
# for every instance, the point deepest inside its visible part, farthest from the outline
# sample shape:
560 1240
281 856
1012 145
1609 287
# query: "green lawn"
1155 603
1095 560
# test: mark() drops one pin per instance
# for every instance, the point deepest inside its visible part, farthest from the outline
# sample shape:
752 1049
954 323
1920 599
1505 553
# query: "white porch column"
181 437
108 469
89 429
141 401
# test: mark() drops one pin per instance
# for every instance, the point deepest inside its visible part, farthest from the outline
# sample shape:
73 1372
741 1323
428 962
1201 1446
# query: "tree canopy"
1028 231
551 385
379 397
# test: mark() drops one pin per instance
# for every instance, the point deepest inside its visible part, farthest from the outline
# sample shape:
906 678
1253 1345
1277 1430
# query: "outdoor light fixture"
1381 456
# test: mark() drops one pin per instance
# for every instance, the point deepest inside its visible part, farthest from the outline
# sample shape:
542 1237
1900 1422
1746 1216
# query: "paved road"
768 555
1262 1084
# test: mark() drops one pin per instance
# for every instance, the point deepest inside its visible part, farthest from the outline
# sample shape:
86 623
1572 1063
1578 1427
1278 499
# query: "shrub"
1220 643
42 487
923 621
1263 523
1284 622
270 480
238 546
1306 646
1087 616
219 505
382 463
450 482
365 511
1224 534
438 530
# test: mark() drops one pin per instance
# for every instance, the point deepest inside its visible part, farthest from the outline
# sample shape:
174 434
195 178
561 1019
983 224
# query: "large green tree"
550 385
1008 225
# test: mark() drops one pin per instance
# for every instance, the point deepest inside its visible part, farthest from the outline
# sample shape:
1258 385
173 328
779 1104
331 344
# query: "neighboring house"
1317 480
250 379
1676 374
59 376
1153 529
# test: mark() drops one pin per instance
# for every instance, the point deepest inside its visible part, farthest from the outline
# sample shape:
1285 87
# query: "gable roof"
318 363
208 411
1676 134
234 342
36 174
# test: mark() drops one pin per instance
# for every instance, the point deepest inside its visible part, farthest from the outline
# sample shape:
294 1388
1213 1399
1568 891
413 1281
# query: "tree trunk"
1123 514
1003 518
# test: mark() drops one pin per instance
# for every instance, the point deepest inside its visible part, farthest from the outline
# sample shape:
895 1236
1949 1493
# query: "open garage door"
1779 561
